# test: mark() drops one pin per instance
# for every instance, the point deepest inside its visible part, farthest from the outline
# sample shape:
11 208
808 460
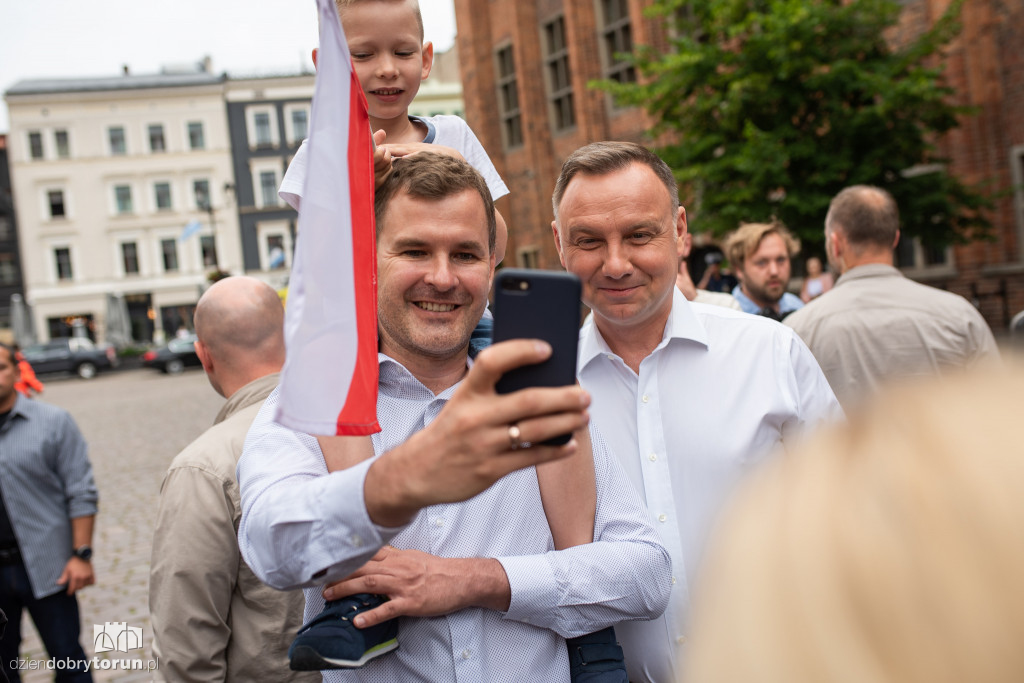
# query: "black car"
70 354
179 353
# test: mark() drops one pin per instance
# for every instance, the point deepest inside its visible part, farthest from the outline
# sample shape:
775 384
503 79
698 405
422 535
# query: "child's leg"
342 452
569 494
330 640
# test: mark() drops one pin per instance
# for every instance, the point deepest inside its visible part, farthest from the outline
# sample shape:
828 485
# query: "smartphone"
539 304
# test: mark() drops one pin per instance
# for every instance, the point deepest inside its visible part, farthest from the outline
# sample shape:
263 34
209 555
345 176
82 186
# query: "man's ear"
316 53
428 60
558 242
204 356
897 240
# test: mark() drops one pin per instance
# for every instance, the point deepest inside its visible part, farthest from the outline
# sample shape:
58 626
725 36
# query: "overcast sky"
56 38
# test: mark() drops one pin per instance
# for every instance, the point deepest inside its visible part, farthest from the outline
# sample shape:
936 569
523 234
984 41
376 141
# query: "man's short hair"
602 158
428 175
414 5
745 240
866 215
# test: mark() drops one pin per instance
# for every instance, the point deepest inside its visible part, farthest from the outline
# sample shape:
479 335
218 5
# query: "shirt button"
681 639
662 517
466 654
652 457
439 522
673 580
357 541
645 399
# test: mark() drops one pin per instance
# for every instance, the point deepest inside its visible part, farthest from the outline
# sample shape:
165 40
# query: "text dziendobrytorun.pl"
96 663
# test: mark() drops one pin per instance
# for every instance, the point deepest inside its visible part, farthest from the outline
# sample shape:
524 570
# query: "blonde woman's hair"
886 550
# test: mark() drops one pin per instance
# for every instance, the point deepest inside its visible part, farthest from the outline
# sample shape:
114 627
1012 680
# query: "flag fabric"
329 380
191 228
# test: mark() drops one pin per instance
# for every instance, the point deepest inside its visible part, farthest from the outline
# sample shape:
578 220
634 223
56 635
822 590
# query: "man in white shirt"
688 395
493 601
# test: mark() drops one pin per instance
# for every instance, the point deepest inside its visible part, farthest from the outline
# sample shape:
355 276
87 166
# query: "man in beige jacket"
213 619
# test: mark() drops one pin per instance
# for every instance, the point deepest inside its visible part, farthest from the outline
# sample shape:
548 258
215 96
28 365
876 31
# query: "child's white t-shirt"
450 131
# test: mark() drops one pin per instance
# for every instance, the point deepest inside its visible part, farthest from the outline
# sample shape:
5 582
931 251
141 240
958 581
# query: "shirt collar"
396 379
682 324
869 270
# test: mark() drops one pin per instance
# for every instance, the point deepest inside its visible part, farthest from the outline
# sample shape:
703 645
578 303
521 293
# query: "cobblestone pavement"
135 422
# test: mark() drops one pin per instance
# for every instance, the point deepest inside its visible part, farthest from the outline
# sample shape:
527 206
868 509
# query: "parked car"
71 354
178 354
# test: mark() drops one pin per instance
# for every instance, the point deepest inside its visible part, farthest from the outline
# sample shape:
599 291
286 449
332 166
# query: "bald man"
213 619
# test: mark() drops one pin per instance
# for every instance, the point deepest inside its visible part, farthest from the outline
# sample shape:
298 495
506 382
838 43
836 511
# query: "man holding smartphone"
688 395
451 501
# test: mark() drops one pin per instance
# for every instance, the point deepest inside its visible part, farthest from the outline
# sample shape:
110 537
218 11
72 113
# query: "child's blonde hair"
414 5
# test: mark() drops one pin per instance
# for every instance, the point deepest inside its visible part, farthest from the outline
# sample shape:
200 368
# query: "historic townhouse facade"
10 257
525 70
121 185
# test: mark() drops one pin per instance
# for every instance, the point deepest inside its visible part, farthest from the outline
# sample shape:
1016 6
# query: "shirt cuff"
532 581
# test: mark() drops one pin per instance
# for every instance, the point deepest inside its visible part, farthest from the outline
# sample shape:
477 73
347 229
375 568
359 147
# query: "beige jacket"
213 620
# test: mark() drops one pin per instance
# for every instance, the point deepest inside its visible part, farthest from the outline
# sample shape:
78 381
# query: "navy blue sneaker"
596 658
332 641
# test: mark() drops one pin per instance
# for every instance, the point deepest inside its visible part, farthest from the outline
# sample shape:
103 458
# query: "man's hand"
77 575
423 585
470 445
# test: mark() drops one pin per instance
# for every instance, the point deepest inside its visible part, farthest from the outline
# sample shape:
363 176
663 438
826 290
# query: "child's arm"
569 494
342 452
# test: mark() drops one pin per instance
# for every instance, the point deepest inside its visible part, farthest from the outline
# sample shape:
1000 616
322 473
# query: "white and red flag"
329 381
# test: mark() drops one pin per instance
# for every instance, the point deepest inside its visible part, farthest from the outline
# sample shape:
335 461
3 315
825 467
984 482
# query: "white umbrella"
119 326
21 322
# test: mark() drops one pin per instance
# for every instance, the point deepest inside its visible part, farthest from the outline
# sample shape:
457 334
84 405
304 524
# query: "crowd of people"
872 537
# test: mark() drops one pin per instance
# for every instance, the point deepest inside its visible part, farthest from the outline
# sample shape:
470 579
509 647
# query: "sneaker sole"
305 658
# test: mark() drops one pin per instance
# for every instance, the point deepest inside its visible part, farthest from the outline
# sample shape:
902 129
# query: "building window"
559 76
617 37
6 232
209 251
55 198
117 141
8 271
62 257
195 135
528 256
123 198
169 250
300 124
130 258
262 122
201 191
35 144
63 148
156 138
163 196
1017 174
268 188
508 99
275 251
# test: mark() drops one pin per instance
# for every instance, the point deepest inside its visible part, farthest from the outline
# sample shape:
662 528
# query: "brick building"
525 68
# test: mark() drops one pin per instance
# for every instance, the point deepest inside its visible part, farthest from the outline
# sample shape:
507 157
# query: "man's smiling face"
434 271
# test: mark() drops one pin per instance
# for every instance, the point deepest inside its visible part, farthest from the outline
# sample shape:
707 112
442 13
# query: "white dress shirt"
720 391
302 526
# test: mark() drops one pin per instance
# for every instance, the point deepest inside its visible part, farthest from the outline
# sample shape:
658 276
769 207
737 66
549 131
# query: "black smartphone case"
539 304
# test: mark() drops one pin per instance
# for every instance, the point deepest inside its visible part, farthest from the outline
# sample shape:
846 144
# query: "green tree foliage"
779 104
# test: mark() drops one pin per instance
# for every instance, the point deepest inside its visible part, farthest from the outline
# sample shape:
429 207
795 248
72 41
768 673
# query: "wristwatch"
83 552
